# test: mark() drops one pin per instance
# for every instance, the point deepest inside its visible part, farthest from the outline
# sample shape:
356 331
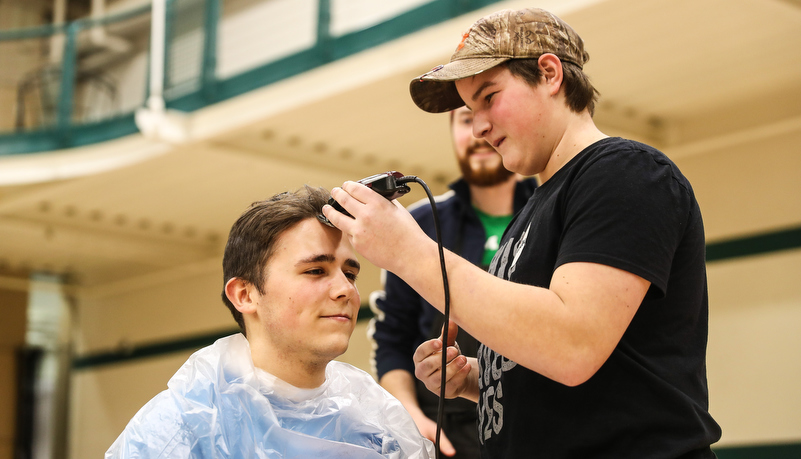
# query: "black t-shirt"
626 205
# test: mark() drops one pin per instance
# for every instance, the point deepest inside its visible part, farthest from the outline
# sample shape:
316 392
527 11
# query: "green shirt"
494 228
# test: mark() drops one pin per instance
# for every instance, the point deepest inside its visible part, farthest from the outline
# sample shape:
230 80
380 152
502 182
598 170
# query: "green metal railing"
54 130
66 127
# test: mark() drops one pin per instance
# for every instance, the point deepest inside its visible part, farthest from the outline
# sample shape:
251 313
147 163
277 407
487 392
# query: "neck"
580 133
496 200
288 368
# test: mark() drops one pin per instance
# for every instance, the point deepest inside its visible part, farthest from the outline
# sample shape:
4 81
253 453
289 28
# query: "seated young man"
275 391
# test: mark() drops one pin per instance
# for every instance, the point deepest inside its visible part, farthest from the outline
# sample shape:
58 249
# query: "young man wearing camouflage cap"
594 325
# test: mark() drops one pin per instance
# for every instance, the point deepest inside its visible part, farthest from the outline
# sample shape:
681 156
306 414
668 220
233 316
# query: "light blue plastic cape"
218 405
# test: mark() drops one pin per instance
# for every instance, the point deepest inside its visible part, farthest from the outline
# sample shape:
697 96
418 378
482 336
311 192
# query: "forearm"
564 332
506 326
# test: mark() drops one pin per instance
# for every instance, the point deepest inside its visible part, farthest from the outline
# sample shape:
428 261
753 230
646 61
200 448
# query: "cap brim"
435 91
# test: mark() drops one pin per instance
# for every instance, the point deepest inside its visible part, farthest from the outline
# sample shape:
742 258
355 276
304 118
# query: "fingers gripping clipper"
388 184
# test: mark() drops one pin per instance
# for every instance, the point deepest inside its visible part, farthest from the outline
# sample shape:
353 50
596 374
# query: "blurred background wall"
114 210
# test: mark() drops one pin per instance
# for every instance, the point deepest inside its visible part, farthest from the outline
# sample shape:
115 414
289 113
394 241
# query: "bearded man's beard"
486 175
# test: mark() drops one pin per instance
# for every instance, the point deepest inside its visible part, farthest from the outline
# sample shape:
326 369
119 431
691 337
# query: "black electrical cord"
447 310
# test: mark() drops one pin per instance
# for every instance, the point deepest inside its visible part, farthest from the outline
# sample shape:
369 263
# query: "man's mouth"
482 149
343 317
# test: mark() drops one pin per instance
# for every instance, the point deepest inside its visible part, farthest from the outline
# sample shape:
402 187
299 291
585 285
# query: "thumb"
445 445
453 329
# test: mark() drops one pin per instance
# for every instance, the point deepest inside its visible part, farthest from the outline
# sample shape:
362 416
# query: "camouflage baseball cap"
493 39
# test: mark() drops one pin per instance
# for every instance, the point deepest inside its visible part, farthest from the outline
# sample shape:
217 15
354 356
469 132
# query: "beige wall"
164 306
749 188
168 306
754 354
753 359
105 398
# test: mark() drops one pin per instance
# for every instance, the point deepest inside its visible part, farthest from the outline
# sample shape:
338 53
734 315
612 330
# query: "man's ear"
552 72
241 294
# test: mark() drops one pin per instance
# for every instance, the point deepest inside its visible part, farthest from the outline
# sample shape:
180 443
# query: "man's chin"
333 349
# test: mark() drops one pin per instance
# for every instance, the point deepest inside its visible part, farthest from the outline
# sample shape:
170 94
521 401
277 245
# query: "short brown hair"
579 92
252 239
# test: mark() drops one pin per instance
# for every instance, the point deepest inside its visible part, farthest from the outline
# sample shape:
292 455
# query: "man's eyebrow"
328 258
353 264
322 258
481 88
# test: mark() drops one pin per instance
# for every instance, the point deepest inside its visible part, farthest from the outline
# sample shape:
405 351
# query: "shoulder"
227 361
617 147
617 160
639 161
447 204
423 206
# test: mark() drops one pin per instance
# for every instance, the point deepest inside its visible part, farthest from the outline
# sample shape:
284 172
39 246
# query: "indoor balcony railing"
79 83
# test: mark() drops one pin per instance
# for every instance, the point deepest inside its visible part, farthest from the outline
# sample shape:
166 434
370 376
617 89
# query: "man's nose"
481 126
342 287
